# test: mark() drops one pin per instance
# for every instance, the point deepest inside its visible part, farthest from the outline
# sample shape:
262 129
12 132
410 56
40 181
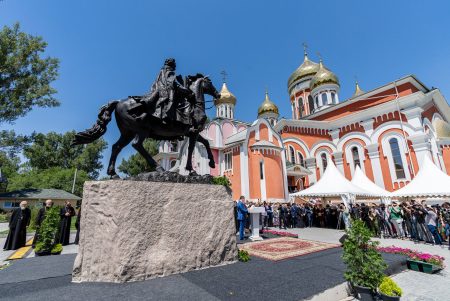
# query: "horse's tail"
99 128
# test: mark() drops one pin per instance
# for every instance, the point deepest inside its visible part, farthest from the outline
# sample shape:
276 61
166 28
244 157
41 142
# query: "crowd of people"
21 217
414 220
404 220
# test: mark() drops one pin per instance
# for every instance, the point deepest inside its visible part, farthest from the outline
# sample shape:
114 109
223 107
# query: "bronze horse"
134 128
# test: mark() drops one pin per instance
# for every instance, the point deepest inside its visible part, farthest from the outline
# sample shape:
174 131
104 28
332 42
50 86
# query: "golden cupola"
226 97
307 68
322 77
358 90
268 110
225 104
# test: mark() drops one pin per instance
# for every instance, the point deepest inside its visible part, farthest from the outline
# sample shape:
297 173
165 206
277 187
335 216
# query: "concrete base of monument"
137 230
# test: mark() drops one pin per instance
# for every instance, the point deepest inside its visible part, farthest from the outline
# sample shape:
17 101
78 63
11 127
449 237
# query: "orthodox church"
387 131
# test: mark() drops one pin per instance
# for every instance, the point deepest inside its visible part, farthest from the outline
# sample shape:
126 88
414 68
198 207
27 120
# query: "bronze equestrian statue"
173 109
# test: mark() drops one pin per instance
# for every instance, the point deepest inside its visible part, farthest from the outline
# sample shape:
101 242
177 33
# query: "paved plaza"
318 274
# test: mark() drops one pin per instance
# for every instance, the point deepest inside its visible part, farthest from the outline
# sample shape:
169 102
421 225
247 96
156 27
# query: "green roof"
52 194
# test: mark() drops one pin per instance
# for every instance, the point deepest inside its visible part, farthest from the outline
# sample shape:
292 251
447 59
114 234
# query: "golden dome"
225 96
267 106
323 76
358 90
307 68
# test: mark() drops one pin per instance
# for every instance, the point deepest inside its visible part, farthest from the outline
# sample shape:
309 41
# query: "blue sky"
112 49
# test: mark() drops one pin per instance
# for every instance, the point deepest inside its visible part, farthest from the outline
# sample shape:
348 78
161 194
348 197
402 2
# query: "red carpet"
284 247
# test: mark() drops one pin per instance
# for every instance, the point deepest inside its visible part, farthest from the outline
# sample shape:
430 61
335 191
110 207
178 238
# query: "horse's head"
209 88
203 82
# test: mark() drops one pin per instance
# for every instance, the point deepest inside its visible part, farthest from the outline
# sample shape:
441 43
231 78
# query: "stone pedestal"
255 212
137 230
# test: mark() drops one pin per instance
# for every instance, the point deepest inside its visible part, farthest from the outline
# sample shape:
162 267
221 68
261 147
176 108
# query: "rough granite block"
137 230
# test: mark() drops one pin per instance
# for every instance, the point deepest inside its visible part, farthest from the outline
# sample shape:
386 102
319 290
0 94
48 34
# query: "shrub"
57 249
34 213
3 218
223 180
388 287
48 230
243 256
365 265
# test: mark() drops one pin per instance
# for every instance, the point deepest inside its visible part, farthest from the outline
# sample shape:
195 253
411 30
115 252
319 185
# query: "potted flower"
365 265
47 233
418 261
389 290
424 262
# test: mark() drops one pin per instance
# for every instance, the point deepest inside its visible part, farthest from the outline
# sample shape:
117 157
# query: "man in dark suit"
241 215
283 215
20 220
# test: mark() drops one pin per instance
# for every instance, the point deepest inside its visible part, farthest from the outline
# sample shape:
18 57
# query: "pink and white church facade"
386 131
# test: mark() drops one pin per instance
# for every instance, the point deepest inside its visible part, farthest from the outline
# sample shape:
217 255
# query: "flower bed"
415 255
280 233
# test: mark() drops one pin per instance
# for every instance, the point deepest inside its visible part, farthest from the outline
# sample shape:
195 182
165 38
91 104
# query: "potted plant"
47 232
57 249
418 261
389 290
365 265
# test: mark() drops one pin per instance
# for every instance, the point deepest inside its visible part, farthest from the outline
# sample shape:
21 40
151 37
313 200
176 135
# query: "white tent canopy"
332 183
430 181
361 180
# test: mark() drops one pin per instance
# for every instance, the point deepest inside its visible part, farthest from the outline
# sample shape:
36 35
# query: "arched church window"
300 107
333 97
311 104
323 157
324 98
317 101
397 158
292 154
355 155
301 161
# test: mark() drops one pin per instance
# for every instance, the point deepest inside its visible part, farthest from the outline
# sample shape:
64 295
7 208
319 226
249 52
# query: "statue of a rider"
164 96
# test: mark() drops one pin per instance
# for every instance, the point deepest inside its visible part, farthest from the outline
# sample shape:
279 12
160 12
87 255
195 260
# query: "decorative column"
421 146
374 156
368 126
335 135
414 116
339 161
311 166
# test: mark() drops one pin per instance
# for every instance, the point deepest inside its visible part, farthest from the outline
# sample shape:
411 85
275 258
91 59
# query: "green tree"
11 143
136 164
54 150
25 75
9 165
54 177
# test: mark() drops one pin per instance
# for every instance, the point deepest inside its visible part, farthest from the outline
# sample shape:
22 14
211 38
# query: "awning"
362 181
332 184
430 181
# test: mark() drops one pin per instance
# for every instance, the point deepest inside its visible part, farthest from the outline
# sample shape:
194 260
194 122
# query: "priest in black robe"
40 218
66 214
20 220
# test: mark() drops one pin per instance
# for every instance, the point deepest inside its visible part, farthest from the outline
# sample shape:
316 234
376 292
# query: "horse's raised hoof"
212 164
